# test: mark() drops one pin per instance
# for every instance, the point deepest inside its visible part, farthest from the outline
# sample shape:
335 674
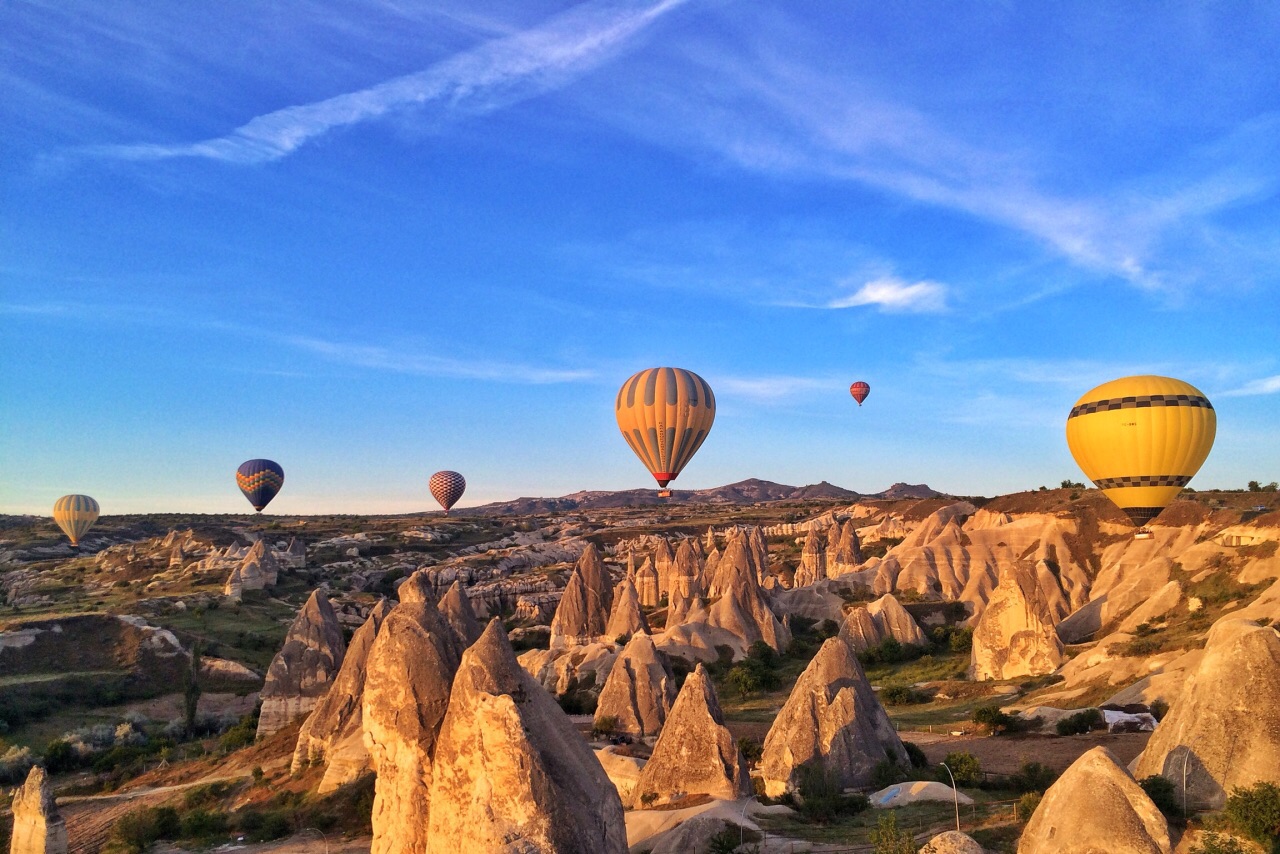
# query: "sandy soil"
1005 754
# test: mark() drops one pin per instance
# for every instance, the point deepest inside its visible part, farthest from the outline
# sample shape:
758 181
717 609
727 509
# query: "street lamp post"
955 793
319 831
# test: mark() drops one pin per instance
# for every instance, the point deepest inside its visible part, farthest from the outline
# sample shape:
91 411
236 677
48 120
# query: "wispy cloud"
425 364
496 73
1266 385
773 389
895 295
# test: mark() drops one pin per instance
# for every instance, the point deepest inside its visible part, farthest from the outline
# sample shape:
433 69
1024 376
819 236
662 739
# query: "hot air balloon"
859 390
259 480
1141 440
665 414
447 487
75 515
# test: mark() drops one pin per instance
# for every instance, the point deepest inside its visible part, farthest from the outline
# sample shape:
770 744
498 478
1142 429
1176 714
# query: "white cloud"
496 73
399 361
895 295
775 389
1266 385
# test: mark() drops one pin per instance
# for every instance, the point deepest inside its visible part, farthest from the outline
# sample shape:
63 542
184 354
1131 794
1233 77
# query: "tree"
1072 484
965 767
191 690
888 839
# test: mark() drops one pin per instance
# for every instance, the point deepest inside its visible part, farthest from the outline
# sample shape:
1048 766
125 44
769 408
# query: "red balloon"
859 390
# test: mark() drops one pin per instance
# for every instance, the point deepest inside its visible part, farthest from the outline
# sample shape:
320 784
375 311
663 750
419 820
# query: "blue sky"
371 240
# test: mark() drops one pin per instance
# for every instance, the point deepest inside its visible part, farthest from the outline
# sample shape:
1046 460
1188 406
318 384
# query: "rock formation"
663 561
1015 635
1220 729
511 773
1095 806
38 827
847 555
894 621
647 584
860 630
304 668
831 720
742 609
695 754
759 550
626 619
455 607
640 689
406 693
583 613
813 562
259 569
569 668
686 573
952 842
334 732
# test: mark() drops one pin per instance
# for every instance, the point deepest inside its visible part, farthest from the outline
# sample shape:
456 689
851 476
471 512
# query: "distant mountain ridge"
750 491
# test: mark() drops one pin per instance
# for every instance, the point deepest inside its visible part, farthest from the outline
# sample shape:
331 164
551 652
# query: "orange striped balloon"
665 415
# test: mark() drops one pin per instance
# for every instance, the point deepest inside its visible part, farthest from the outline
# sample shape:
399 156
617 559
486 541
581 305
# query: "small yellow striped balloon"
665 415
1141 440
75 515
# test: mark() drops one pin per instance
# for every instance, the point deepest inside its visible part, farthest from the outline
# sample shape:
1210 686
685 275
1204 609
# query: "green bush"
1081 722
240 735
604 726
887 772
993 719
200 824
137 831
1163 794
1027 805
820 797
888 839
1033 777
961 640
901 695
1255 812
964 766
752 749
916 755
1216 843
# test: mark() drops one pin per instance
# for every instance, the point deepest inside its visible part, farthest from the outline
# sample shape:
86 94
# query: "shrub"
1255 812
1033 777
916 755
961 640
887 772
1162 793
1081 722
1159 708
993 719
1027 805
965 767
752 749
901 695
604 726
888 839
139 830
240 735
199 824
820 798
1216 843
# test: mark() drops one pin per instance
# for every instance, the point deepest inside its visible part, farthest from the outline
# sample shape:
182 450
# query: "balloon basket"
1142 534
664 493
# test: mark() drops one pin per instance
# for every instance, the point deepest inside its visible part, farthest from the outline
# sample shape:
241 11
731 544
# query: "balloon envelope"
1141 440
259 480
447 487
665 415
860 390
75 515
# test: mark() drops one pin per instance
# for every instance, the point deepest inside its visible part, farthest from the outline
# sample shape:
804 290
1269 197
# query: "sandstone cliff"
305 667
1221 730
334 731
1015 636
695 754
832 720
511 773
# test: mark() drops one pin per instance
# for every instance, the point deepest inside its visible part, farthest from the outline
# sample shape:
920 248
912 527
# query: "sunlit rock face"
583 613
1221 730
695 754
832 719
640 690
455 607
1095 806
511 773
627 618
305 667
1016 635
334 733
38 827
406 694
813 562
